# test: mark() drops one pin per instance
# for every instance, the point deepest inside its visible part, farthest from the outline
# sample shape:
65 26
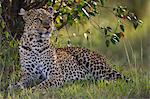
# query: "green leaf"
105 31
92 13
135 24
140 21
109 28
11 44
129 18
102 2
114 39
6 34
107 43
94 3
120 35
3 24
85 12
58 19
122 28
69 19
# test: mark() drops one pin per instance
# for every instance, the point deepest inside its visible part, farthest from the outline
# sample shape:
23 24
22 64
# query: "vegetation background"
130 56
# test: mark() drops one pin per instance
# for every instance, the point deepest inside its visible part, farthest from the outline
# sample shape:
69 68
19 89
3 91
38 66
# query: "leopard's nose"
46 25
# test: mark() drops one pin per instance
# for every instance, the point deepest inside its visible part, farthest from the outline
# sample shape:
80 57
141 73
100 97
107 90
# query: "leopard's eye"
38 20
47 33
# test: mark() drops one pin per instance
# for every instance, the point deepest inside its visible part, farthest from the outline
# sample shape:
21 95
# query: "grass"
137 71
140 88
10 71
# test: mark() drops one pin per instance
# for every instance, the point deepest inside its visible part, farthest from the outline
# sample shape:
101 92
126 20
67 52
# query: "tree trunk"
10 9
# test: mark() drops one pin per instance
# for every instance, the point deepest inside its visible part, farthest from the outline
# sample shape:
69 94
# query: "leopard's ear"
51 10
22 12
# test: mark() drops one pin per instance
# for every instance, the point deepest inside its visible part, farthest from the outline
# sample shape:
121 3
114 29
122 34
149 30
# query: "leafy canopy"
68 12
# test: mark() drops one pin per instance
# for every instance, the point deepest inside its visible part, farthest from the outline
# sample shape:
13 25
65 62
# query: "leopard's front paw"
15 86
34 89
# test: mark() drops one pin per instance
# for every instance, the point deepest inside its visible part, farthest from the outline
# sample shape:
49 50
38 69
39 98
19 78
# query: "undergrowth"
10 72
139 88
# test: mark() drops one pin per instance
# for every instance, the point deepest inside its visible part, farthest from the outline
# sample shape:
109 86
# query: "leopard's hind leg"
55 81
107 73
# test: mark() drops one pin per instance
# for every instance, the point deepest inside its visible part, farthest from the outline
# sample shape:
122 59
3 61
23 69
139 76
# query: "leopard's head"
38 24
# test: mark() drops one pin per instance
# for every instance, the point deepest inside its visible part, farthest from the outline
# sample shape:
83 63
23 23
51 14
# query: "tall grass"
90 90
131 57
139 88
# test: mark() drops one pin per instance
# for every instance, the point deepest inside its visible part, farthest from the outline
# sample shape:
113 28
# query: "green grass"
138 69
10 71
139 88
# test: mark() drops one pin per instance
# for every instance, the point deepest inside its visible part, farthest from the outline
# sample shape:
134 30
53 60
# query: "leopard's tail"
116 75
127 79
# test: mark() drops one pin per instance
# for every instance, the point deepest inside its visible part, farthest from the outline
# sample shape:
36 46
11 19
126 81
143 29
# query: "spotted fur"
45 66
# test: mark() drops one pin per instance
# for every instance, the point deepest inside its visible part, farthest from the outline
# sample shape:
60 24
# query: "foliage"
73 11
10 68
91 90
68 12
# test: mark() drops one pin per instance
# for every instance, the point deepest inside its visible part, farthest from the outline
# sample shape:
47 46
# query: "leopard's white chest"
38 62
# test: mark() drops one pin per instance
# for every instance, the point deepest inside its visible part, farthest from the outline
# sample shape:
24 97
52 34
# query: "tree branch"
53 3
36 4
10 10
75 14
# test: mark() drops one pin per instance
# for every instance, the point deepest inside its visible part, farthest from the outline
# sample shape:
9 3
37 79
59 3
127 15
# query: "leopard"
43 65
